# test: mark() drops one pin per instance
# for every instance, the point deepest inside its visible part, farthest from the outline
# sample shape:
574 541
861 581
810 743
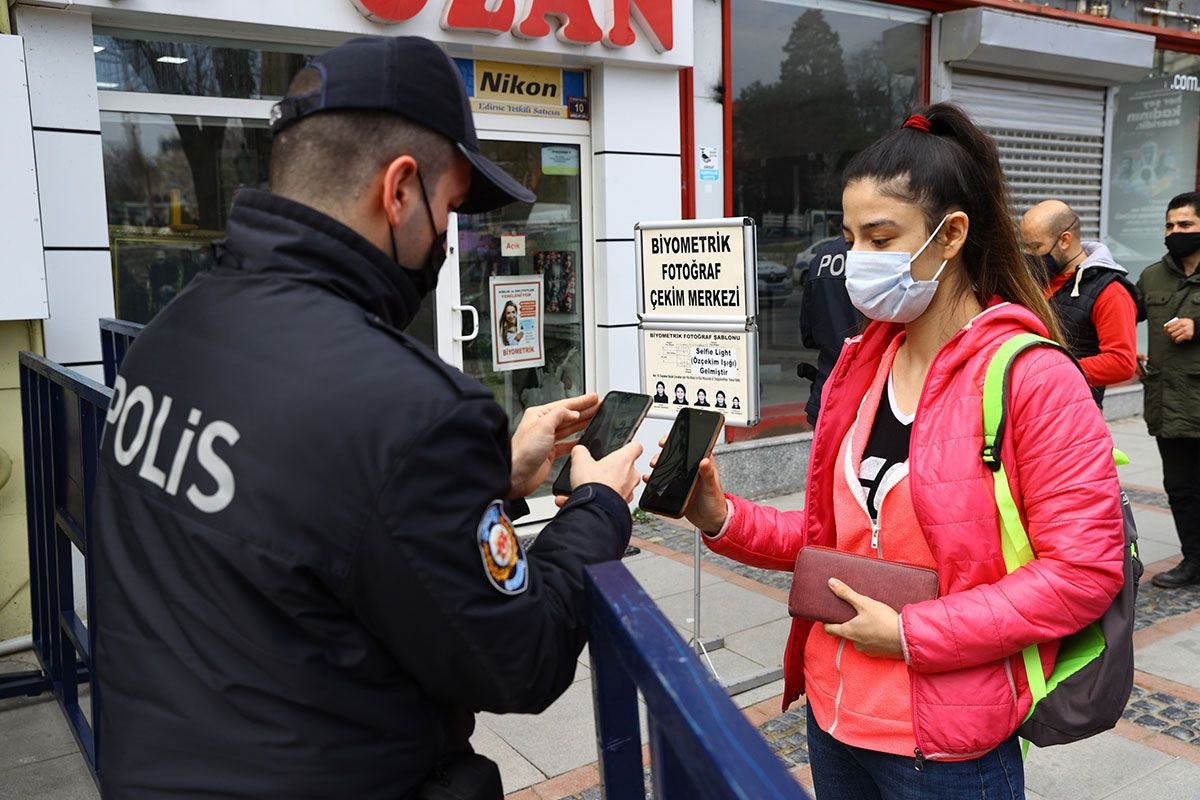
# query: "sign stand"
697 284
698 643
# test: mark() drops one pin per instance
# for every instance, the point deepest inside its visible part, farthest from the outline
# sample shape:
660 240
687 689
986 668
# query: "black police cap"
410 76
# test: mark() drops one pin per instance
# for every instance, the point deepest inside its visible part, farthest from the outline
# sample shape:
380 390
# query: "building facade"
137 120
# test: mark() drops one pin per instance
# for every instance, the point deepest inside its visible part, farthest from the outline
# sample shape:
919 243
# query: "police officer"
306 574
827 317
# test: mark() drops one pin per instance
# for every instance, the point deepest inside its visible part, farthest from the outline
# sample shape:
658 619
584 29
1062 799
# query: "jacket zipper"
837 700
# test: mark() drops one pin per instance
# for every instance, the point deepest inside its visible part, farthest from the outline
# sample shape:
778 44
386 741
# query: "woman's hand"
875 629
708 508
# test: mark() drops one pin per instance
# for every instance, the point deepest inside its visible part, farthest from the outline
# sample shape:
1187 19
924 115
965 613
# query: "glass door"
496 332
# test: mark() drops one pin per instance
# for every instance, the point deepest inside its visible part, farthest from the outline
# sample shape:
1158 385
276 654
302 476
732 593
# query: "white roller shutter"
1051 139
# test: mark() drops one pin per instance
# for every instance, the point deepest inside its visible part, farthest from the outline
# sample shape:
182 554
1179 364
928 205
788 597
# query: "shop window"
159 63
1153 156
170 177
169 182
551 251
811 87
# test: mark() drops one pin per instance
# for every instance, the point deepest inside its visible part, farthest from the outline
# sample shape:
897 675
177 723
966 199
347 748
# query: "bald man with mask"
1089 291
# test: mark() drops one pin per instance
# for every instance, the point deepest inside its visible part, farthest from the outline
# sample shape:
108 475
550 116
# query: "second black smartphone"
612 428
674 477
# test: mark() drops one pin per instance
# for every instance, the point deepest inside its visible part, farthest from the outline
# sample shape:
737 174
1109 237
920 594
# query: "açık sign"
697 269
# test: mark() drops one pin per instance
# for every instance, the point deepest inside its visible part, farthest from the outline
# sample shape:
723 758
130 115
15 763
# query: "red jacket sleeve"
760 536
1115 318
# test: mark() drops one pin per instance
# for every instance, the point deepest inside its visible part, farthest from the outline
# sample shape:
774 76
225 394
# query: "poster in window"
1154 131
517 307
557 267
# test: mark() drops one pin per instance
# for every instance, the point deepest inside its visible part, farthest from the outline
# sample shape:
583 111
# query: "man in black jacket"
306 573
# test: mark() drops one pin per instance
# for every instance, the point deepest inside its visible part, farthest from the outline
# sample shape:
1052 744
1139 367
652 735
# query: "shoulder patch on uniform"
501 551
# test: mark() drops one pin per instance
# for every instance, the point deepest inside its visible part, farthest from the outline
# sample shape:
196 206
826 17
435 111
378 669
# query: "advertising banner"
517 312
716 370
525 90
697 270
1155 128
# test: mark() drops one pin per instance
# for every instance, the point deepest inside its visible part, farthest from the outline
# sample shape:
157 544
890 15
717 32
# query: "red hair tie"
919 122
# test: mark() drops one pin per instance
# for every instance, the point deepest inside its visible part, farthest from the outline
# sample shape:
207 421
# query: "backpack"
1092 677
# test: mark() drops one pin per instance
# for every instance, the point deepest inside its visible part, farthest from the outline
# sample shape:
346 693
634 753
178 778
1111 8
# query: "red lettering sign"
390 10
473 15
653 16
574 17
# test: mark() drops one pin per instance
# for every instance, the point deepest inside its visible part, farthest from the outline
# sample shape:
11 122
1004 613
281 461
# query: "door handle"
459 337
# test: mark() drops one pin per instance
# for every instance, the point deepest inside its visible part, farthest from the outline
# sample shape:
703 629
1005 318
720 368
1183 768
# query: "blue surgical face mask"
882 287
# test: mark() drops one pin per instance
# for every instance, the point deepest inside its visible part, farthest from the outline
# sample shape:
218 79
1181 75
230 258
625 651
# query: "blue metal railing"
115 337
701 746
63 420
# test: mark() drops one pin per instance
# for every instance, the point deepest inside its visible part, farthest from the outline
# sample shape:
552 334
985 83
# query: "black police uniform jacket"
827 317
293 598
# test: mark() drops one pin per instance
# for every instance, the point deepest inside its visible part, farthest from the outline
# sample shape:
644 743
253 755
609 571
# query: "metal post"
697 643
696 552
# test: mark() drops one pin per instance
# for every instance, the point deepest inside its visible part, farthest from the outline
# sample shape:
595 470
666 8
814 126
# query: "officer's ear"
399 191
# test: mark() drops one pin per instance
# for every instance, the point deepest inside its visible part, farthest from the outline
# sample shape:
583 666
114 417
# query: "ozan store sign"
577 24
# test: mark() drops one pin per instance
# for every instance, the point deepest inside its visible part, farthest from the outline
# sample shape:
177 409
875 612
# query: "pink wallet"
889 582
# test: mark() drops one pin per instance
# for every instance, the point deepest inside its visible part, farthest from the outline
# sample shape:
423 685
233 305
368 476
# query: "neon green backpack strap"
1014 541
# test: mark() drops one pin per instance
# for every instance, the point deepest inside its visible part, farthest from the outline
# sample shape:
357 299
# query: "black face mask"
1037 267
1051 266
425 277
1181 244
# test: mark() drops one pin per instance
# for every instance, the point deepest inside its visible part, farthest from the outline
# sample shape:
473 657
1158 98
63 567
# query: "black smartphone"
612 428
674 477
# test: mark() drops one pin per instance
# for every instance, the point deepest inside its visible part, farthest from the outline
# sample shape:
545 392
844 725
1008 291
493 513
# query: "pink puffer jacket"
968 684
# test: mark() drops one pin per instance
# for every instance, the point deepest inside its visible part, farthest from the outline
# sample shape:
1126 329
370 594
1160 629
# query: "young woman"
510 329
925 703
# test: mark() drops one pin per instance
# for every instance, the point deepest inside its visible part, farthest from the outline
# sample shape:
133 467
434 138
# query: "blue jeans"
841 772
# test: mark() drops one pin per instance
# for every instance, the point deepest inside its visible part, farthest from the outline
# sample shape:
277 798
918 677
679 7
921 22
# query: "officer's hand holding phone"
538 439
617 470
707 507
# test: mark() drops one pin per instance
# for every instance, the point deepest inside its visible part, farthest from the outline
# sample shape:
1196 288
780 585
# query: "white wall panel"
644 105
616 284
70 170
80 287
617 361
23 291
710 195
631 189
61 66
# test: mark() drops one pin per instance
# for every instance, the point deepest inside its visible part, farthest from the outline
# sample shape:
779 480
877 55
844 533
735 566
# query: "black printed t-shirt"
887 448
